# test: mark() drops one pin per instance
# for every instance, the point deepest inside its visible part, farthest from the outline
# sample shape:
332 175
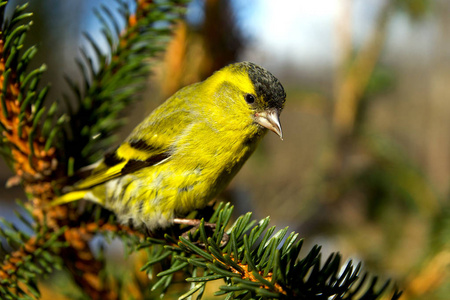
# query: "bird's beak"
270 119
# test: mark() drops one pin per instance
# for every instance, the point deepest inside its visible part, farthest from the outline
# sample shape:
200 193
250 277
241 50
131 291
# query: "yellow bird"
188 149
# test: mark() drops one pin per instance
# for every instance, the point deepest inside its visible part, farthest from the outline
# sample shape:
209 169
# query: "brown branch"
32 163
434 274
247 274
356 78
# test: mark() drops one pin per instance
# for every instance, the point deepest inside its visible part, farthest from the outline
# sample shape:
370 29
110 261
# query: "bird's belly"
154 196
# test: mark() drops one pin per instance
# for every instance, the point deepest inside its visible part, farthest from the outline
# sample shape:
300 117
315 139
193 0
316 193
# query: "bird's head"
254 91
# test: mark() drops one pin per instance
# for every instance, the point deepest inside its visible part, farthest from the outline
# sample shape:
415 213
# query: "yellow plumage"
188 149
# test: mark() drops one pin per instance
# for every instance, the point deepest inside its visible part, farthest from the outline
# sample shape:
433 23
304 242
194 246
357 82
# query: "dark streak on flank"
141 206
122 194
185 189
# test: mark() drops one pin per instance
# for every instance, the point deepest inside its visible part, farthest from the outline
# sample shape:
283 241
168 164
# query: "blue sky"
304 32
296 29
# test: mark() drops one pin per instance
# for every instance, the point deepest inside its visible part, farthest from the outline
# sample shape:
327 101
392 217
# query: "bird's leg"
195 223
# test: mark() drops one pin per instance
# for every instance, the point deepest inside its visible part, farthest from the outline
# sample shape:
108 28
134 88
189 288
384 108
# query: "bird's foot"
195 223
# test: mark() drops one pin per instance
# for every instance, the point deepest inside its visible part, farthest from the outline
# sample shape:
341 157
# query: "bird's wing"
149 144
107 171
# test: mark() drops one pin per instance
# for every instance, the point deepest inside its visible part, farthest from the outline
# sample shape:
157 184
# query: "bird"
187 150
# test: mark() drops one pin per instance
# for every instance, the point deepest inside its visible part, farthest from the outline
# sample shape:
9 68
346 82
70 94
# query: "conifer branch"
255 263
22 143
67 245
32 256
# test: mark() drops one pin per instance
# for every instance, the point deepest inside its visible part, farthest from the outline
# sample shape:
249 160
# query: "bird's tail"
69 197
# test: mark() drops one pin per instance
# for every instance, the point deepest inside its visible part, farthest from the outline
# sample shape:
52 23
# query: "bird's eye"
249 98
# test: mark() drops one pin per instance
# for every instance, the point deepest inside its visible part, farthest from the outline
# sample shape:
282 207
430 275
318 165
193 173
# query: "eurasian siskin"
187 151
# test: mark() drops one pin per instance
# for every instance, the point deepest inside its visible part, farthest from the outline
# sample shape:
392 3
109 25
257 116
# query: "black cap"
265 85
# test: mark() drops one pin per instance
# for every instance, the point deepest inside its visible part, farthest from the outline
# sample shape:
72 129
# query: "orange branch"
30 163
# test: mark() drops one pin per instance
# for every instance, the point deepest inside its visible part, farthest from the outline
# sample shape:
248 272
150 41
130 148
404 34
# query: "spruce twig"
21 110
32 257
256 264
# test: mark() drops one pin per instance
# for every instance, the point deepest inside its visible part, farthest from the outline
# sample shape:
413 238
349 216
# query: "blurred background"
365 162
